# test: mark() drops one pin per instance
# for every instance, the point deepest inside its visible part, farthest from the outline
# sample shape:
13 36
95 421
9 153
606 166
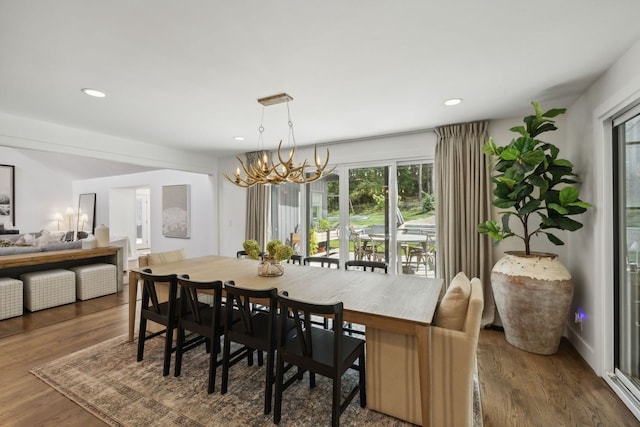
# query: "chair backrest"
452 366
243 254
301 312
364 264
161 258
189 303
150 282
322 260
242 300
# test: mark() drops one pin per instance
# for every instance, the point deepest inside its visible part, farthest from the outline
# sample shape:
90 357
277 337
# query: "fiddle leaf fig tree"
532 182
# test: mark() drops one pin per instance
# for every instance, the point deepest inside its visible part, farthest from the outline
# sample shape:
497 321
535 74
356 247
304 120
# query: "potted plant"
533 291
276 252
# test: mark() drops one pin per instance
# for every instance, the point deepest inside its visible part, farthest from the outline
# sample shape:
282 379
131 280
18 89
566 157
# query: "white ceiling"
187 74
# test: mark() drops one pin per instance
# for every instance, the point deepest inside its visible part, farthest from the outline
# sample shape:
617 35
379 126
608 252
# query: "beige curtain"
463 195
258 207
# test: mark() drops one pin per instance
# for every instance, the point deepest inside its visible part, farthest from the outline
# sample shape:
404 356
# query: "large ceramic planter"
533 295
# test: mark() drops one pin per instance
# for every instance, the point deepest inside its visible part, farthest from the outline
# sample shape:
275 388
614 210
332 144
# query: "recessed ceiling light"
452 101
238 138
93 92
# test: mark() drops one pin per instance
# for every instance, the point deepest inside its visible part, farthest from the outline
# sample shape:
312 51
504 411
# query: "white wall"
232 199
204 218
41 190
590 256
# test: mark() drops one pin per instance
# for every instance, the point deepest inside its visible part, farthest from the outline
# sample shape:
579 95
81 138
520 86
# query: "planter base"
533 295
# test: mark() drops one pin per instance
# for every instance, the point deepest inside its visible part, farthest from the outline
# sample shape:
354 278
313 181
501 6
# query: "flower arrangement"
279 251
276 250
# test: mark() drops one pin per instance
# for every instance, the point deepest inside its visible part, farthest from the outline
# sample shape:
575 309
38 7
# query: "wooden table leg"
423 338
133 294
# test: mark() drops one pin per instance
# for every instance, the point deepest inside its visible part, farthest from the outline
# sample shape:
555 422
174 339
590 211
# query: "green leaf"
553 239
584 205
489 148
554 112
538 108
568 195
568 224
505 222
529 207
556 207
507 181
519 129
563 162
534 157
510 153
503 204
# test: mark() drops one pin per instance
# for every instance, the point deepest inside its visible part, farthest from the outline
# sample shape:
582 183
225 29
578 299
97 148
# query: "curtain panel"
463 200
258 210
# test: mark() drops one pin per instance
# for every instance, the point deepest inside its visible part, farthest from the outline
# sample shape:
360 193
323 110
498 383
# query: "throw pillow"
166 257
452 311
29 239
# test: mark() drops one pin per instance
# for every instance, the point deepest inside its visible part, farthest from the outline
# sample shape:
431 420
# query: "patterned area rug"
106 380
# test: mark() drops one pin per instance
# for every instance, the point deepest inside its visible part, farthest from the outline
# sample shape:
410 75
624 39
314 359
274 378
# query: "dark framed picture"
7 195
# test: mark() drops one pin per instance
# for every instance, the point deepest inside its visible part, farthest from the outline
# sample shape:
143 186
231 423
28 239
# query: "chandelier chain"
266 172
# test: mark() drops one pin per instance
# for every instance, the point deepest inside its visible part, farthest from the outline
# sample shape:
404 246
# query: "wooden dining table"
395 310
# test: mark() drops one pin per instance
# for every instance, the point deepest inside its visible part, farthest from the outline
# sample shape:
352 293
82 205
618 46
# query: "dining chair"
322 260
318 351
163 313
205 322
256 330
364 265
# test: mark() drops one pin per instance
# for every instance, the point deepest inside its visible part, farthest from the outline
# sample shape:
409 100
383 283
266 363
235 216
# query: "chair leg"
268 388
179 350
168 344
362 381
277 408
225 365
211 384
335 402
141 335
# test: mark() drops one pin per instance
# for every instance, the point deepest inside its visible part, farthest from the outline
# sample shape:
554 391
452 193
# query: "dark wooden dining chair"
205 322
161 312
364 265
322 260
256 330
318 351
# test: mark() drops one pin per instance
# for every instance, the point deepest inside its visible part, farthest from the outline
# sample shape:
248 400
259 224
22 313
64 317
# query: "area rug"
106 380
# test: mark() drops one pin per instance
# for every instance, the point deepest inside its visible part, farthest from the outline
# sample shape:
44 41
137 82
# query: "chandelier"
264 171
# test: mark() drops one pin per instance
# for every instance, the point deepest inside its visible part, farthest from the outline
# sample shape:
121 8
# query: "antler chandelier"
264 171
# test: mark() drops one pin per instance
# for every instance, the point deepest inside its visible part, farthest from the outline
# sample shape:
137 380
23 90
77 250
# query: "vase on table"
270 267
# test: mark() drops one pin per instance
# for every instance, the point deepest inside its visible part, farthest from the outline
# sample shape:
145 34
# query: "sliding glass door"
377 212
627 231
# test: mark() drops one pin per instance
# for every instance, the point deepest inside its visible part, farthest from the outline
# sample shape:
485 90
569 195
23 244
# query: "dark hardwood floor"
517 388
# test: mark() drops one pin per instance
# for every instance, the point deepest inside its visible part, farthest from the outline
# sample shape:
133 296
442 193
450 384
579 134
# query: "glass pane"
286 215
416 237
324 218
628 278
368 218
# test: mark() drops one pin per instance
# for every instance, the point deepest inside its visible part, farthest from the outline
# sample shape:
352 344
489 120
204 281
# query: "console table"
15 265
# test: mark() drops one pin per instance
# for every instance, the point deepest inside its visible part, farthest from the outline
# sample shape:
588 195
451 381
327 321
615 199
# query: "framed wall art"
86 214
176 211
7 196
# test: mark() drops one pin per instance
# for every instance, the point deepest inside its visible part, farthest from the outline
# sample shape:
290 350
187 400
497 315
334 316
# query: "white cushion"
452 311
